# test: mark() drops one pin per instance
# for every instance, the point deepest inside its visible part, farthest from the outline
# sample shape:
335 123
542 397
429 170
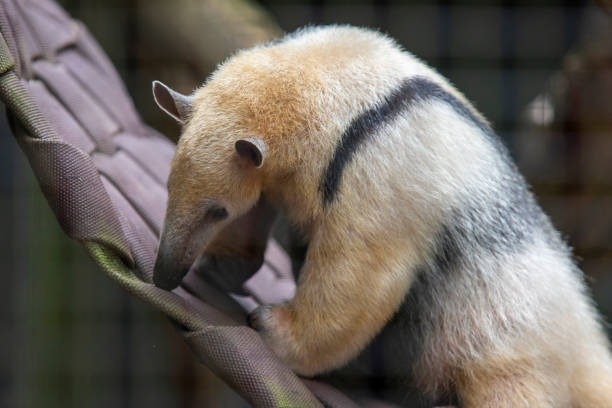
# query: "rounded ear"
251 149
175 104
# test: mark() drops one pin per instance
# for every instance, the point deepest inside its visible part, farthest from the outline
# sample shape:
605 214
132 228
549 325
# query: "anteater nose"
167 274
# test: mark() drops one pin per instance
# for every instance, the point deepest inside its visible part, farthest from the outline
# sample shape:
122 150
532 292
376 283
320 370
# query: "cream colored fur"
516 331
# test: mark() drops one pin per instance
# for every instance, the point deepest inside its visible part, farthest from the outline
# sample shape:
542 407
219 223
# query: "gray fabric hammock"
103 173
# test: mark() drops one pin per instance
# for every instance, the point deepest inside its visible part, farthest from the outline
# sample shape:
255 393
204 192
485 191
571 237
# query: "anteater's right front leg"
346 293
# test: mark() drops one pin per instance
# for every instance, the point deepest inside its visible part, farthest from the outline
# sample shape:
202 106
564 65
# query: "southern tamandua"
412 207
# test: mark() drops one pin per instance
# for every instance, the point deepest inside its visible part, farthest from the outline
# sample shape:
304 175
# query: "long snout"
182 241
169 271
174 258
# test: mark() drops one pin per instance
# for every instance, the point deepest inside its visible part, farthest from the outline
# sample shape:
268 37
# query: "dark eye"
216 214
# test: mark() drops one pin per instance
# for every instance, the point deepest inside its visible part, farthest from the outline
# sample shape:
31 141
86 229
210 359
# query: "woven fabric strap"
103 173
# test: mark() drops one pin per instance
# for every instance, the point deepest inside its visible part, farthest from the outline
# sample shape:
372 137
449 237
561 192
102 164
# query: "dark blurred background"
541 71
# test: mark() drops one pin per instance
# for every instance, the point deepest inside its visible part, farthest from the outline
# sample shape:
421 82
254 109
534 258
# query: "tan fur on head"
424 215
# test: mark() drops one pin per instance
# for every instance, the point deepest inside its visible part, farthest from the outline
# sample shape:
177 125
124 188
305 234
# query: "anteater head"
215 179
236 137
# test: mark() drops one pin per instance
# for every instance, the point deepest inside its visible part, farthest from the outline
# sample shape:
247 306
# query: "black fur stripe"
412 90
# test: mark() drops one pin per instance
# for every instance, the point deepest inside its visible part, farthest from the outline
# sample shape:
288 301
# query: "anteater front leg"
347 291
